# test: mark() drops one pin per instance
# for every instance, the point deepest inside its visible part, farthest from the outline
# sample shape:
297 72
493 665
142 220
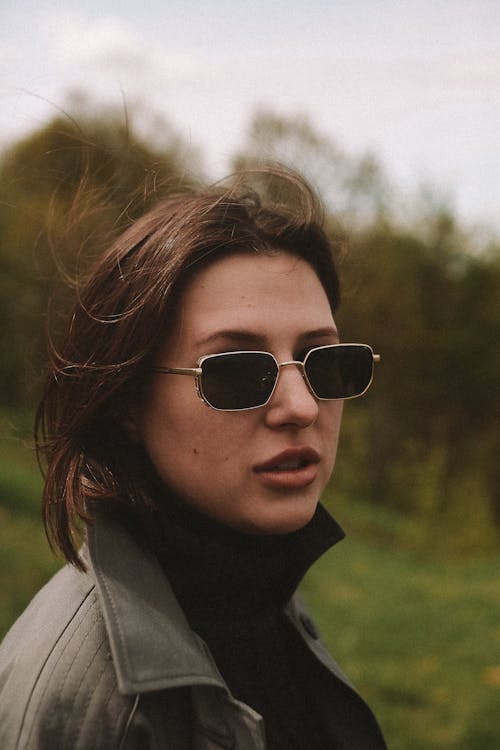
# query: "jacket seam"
116 620
42 668
80 723
128 723
58 697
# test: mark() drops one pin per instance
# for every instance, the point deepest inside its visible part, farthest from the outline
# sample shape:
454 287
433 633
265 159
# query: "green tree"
66 189
354 188
430 429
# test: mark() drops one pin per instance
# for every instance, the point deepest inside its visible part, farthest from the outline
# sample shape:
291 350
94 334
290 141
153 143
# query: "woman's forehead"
247 298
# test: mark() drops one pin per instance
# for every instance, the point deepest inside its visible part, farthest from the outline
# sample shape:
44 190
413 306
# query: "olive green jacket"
106 659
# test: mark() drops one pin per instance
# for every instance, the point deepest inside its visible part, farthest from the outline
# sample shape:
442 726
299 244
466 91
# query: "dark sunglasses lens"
238 380
340 371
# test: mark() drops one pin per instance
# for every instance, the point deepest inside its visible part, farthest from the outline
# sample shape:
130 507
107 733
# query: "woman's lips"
291 469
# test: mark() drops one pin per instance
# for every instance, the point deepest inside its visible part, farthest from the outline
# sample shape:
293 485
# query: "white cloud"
73 38
9 53
113 47
481 70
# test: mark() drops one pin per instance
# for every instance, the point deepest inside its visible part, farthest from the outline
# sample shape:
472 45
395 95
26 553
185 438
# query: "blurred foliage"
430 428
353 188
65 191
421 290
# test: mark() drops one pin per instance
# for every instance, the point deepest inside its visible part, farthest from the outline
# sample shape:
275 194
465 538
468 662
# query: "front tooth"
289 466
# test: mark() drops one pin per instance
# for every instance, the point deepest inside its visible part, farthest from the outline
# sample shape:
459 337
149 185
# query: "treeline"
423 291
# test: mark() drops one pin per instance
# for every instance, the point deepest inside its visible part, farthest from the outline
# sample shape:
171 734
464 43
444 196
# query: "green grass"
26 564
419 636
418 633
25 559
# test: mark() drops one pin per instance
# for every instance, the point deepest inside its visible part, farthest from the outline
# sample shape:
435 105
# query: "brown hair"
120 318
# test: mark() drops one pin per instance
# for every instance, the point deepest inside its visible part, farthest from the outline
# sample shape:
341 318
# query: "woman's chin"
282 520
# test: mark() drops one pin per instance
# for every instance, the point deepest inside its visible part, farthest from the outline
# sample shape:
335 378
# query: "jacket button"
309 626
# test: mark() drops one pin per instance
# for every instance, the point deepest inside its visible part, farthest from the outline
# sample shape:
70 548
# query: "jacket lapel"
152 645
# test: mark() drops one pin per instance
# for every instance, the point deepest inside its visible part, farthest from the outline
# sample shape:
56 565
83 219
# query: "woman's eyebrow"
250 338
233 336
321 333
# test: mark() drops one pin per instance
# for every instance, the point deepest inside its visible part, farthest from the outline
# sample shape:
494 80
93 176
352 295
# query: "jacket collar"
151 642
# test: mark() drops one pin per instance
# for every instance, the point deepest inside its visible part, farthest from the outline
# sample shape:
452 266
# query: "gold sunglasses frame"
196 372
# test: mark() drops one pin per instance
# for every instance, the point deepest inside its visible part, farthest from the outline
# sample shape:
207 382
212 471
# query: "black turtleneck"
233 588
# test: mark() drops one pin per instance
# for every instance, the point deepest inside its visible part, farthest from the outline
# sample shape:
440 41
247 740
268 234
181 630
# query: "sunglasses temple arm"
193 371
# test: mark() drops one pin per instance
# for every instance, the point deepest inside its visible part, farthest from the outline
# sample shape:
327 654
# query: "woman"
190 423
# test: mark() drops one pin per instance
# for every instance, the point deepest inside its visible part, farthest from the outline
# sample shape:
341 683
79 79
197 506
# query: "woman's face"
261 470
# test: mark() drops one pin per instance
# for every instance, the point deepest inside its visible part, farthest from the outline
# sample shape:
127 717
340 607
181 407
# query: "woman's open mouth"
291 469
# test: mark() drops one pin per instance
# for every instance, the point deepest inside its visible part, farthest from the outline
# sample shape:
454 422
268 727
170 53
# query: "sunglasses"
234 381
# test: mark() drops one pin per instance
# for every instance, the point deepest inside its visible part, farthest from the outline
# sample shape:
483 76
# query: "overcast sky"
415 81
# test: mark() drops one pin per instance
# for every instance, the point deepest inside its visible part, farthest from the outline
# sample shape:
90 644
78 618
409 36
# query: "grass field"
418 635
419 638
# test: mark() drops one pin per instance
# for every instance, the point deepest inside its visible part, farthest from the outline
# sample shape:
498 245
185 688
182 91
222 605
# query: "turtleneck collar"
214 569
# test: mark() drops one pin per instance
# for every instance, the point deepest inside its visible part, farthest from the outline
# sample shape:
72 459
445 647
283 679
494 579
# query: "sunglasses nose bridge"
290 363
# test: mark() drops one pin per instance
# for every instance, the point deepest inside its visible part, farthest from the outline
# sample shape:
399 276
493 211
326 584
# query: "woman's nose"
292 403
